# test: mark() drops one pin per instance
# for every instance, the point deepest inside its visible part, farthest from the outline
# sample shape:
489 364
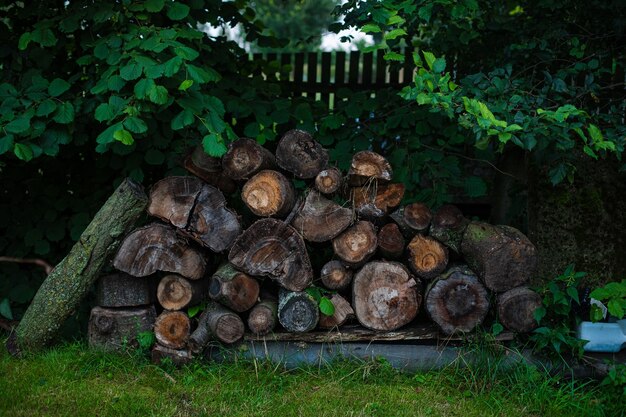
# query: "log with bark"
335 275
448 226
356 244
69 282
263 317
412 219
516 309
385 296
457 301
329 181
343 313
321 219
177 357
209 169
271 248
374 201
502 256
298 153
269 193
176 292
427 256
172 329
123 290
297 311
118 329
234 289
390 241
368 166
219 323
245 157
157 247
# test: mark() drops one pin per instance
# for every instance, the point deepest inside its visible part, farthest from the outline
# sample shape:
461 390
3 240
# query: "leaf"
24 41
395 20
19 125
186 53
573 293
371 28
143 87
178 11
475 187
615 309
539 314
124 136
185 85
326 307
172 66
64 113
496 329
213 144
44 37
103 113
154 6
58 87
23 152
5 309
557 174
202 75
193 311
425 12
439 65
182 119
393 56
158 94
131 71
46 108
315 293
154 157
394 34
6 144
430 59
135 125
115 83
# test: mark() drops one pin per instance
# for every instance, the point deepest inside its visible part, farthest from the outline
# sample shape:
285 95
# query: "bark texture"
234 289
448 226
516 309
178 357
219 323
297 311
298 153
375 201
343 312
123 290
117 329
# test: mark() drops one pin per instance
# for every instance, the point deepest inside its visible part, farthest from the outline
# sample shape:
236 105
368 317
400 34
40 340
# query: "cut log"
343 313
176 292
329 181
234 289
368 166
448 226
516 309
427 256
198 209
219 323
390 241
374 201
271 248
245 157
117 329
177 357
357 244
209 169
157 247
412 219
263 317
269 193
385 296
69 282
502 256
298 153
335 275
321 219
172 329
457 301
123 290
297 311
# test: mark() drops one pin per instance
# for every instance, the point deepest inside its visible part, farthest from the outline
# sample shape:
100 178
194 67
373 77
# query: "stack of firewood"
253 270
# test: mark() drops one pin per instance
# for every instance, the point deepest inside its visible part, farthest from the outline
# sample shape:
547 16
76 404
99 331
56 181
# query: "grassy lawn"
72 380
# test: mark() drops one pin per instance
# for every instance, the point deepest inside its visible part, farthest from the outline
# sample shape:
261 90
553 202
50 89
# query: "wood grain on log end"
374 201
356 244
245 157
176 292
427 256
448 226
263 317
417 216
234 289
335 275
390 241
269 193
367 166
516 309
321 219
343 313
117 329
329 181
209 169
172 329
297 311
298 153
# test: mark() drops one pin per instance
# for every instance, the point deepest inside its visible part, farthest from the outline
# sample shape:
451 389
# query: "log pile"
264 267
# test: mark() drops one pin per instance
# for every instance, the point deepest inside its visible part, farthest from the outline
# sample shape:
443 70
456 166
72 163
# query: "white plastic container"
603 337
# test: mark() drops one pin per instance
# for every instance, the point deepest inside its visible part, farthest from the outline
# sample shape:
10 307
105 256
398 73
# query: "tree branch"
35 261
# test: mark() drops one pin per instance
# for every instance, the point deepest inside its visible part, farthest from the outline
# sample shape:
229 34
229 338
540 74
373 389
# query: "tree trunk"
117 329
335 275
368 166
385 296
390 241
177 293
321 219
329 181
269 193
298 153
272 248
516 309
448 226
178 357
172 329
197 209
209 169
297 311
357 244
234 289
263 317
501 255
413 219
157 247
245 157
123 290
343 312
427 257
62 290
375 201
219 323
457 301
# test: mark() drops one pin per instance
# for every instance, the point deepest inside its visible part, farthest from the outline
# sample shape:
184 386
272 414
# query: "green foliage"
613 295
146 340
320 296
616 379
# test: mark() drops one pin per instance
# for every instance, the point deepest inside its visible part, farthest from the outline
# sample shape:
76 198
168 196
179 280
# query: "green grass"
72 380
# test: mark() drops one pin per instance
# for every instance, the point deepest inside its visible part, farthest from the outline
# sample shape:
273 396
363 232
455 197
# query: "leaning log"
374 201
427 256
390 241
335 275
245 157
157 247
502 256
62 291
329 181
356 244
321 219
448 226
269 193
297 311
367 167
298 153
172 329
457 301
118 329
385 296
271 248
516 309
209 169
233 289
176 292
219 323
343 312
123 290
